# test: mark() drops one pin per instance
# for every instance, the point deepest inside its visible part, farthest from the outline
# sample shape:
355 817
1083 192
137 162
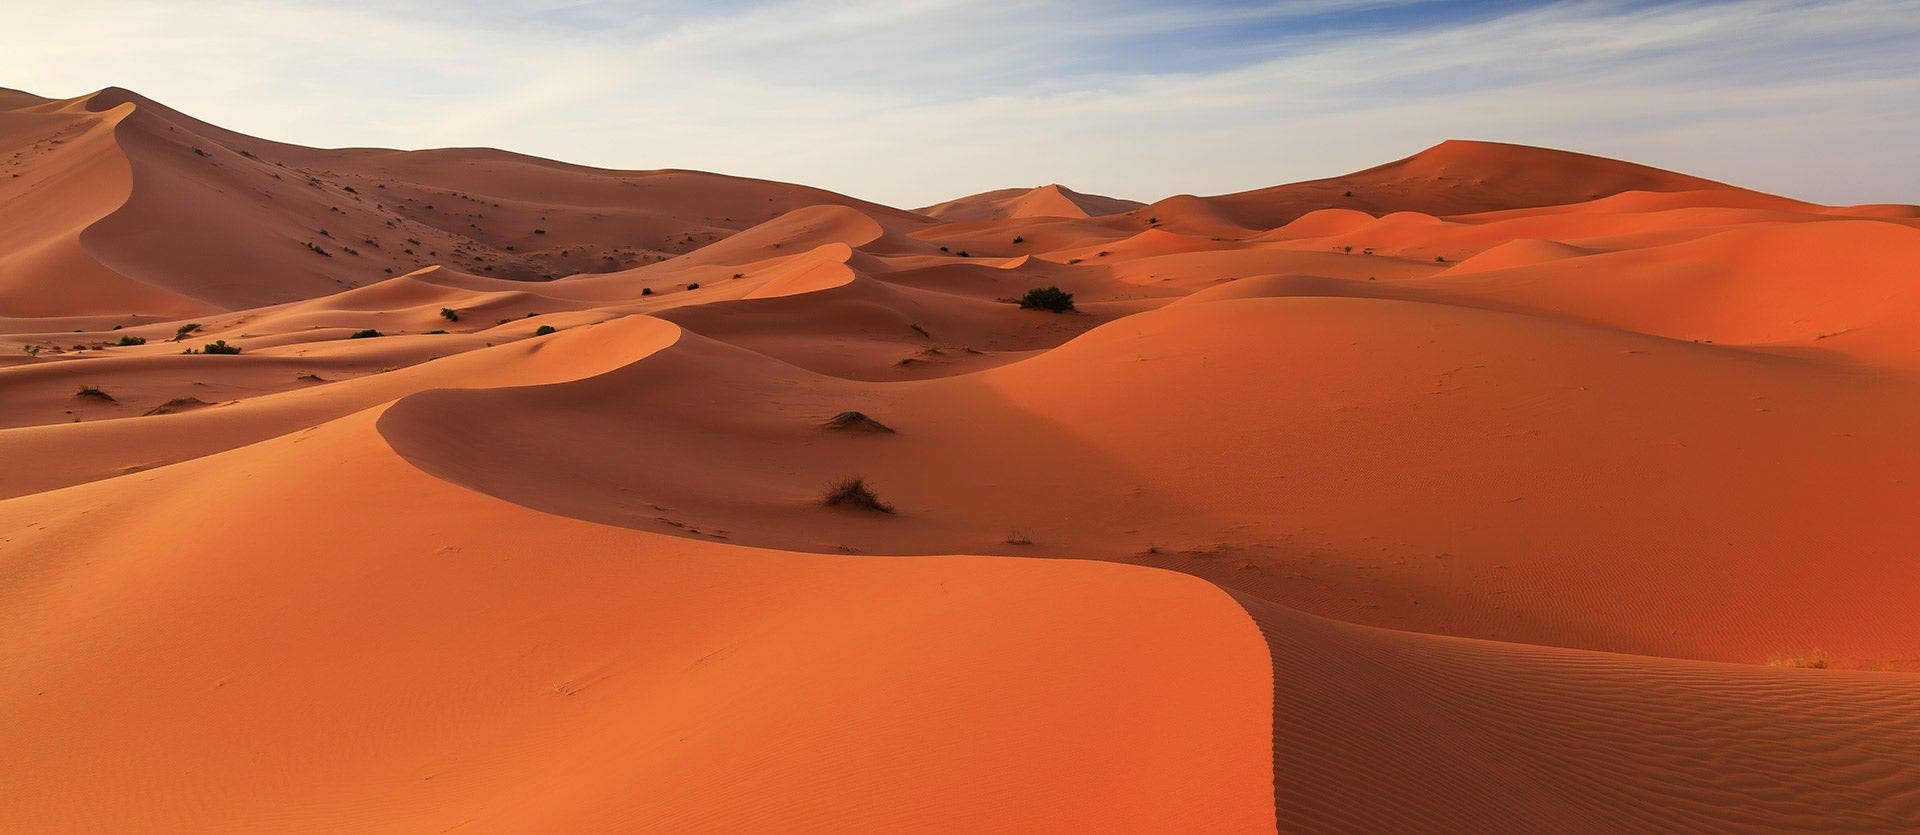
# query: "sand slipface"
1492 488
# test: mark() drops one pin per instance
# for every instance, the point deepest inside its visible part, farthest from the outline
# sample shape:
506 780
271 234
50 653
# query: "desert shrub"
450 314
1153 220
964 254
539 231
853 491
182 331
1812 659
131 340
543 330
856 422
694 286
646 291
1074 260
369 333
1440 259
430 333
1019 239
220 346
93 393
1047 298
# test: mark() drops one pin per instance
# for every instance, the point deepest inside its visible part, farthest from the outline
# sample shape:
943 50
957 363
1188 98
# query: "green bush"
131 340
182 331
450 314
220 346
369 333
543 330
1047 298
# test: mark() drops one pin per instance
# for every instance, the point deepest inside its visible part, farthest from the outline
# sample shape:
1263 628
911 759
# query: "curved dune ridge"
1492 488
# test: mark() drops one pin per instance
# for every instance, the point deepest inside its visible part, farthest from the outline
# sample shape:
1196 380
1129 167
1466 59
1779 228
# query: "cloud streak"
913 101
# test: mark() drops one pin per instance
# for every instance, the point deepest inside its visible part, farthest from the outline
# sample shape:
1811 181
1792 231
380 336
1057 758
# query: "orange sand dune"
1451 178
1052 200
1495 488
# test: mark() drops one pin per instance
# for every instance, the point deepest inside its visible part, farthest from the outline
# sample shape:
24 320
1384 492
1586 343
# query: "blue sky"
910 102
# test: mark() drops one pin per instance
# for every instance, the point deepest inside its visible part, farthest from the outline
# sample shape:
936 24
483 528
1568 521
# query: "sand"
1493 488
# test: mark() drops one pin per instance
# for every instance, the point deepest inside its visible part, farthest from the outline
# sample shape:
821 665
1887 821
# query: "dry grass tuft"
853 491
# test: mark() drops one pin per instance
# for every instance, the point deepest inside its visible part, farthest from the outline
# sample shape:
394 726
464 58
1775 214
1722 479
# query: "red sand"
1493 488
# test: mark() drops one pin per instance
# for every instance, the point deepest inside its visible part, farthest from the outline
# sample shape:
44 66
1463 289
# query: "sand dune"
1051 200
1495 488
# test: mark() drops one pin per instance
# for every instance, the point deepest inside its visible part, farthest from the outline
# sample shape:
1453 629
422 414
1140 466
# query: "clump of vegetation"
1051 299
182 331
220 346
853 491
369 333
646 291
1019 239
432 332
964 254
1153 220
1811 659
1017 536
131 340
1102 254
693 286
1074 260
316 248
30 350
450 314
851 421
919 330
94 394
1440 259
543 330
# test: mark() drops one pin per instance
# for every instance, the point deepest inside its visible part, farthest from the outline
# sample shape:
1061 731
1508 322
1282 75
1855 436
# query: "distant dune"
1495 488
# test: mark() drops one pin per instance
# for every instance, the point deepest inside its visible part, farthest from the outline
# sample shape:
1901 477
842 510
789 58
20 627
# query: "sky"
911 102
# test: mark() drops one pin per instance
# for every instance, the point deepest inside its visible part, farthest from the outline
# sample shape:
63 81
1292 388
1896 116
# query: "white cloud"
913 101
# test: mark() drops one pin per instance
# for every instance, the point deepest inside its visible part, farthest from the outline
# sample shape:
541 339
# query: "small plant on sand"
450 314
694 286
1811 659
1018 536
1019 239
964 254
93 393
1439 259
646 291
856 422
1047 298
30 350
432 332
853 491
919 330
220 346
131 340
182 331
369 333
543 330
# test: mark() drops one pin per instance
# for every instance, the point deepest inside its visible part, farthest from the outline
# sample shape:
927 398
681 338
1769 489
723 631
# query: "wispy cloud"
912 101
